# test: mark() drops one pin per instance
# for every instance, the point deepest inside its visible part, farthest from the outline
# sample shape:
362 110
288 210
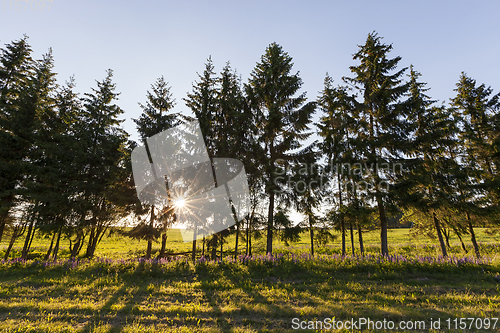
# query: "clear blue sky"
142 40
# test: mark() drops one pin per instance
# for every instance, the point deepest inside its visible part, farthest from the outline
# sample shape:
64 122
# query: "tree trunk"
148 250
78 244
150 241
360 236
311 235
447 238
203 251
462 243
193 251
56 248
89 252
49 251
163 245
383 226
9 248
236 241
270 217
81 246
461 240
247 234
440 236
342 223
31 240
100 238
27 241
193 254
342 226
97 238
15 234
473 237
352 238
250 243
98 234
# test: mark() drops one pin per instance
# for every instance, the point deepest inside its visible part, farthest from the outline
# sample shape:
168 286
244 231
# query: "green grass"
118 246
256 296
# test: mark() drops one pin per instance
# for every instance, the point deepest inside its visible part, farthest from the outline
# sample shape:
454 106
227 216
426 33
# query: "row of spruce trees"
385 149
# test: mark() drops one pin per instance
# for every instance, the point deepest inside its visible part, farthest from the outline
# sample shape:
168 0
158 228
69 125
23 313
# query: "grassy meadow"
118 247
116 292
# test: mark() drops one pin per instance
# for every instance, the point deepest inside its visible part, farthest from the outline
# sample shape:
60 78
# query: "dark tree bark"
17 231
151 225
247 235
461 240
193 252
270 217
440 236
447 238
163 245
89 252
383 226
250 243
236 241
473 237
79 241
97 233
56 248
360 236
342 223
311 235
49 251
352 238
27 241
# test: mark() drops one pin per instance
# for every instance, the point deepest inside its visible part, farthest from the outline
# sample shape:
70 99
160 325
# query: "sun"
179 202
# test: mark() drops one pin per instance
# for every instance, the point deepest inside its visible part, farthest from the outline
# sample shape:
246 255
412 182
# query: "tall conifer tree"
380 86
156 117
476 113
17 119
282 120
425 185
99 132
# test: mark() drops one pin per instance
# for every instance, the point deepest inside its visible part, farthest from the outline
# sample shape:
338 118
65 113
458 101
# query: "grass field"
124 294
119 247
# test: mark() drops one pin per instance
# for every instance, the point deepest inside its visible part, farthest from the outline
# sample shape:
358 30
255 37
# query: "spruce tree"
425 185
233 126
98 131
282 120
203 103
43 174
476 111
333 127
17 119
156 117
380 86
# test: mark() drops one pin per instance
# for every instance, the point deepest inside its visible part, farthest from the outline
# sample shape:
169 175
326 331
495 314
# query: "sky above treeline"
142 40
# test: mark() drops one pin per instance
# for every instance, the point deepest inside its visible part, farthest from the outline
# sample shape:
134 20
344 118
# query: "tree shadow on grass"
230 296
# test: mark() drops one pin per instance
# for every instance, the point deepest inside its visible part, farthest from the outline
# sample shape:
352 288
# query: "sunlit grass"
124 294
118 246
250 294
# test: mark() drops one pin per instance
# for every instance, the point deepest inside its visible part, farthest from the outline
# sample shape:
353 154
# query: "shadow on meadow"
255 293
